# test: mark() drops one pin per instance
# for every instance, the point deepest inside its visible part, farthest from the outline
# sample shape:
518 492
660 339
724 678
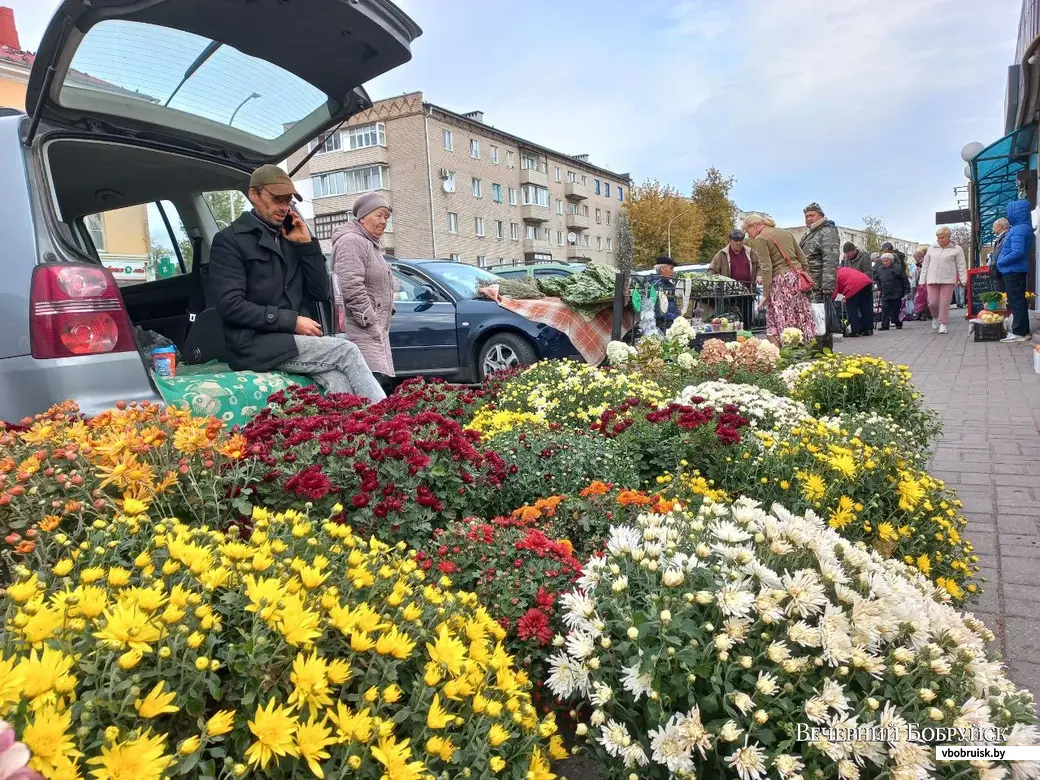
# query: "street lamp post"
681 213
234 113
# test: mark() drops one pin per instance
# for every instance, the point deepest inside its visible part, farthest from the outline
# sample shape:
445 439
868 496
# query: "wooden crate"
722 335
994 332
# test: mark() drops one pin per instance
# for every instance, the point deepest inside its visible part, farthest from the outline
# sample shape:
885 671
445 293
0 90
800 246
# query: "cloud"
860 104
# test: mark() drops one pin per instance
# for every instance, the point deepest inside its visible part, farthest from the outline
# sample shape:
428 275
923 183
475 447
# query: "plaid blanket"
589 336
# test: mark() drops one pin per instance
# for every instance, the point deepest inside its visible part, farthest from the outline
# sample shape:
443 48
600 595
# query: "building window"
584 210
474 149
449 140
572 177
498 229
364 136
548 236
532 232
478 226
595 183
351 182
559 237
514 231
449 182
610 245
534 195
332 144
496 193
585 239
599 243
510 161
453 222
494 155
599 216
621 194
571 209
325 224
512 196
454 257
476 188
531 163
606 188
481 261
584 180
608 216
558 179
559 207
96 226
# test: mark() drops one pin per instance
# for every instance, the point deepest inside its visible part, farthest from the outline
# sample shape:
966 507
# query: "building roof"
522 142
22 59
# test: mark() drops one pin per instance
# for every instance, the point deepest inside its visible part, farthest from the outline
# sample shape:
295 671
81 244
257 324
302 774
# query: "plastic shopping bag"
819 312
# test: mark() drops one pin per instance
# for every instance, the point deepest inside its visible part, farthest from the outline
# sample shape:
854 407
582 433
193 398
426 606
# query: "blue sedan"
441 328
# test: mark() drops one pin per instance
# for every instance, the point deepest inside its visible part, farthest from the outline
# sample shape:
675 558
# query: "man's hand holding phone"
294 228
305 326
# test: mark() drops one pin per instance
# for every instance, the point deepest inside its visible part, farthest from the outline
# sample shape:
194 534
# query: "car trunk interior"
92 177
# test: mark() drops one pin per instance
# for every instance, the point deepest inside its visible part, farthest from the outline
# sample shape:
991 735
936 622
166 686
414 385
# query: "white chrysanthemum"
833 695
787 765
669 749
580 645
639 685
692 731
735 599
748 762
619 353
912 760
623 541
806 595
577 608
614 738
760 406
687 361
816 710
1028 736
601 694
634 756
566 676
730 732
767 684
728 532
743 702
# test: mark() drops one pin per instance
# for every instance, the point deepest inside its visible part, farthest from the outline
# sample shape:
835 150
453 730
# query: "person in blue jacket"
1013 265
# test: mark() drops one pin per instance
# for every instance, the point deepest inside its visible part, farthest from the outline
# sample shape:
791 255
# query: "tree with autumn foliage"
650 207
711 197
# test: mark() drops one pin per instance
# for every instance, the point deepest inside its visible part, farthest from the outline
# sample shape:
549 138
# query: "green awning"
994 176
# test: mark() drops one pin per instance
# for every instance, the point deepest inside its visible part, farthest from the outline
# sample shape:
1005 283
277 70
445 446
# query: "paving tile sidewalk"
989 399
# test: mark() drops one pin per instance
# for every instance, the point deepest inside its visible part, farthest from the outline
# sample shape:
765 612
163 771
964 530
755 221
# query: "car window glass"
226 206
135 244
411 289
551 272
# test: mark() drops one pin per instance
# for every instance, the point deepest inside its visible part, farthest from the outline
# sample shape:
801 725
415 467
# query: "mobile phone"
288 222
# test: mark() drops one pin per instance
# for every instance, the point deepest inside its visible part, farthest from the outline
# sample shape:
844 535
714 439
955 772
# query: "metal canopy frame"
994 176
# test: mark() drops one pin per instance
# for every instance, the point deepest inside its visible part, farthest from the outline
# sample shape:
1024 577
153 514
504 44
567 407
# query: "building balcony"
579 253
534 213
534 176
325 162
576 191
536 246
577 222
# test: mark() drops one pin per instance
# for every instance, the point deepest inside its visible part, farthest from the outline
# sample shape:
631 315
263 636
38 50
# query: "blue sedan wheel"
504 351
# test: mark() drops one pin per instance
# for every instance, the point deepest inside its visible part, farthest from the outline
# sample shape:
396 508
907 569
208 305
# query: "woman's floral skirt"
789 307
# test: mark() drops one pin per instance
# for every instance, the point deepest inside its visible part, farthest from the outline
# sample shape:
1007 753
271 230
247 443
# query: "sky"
862 105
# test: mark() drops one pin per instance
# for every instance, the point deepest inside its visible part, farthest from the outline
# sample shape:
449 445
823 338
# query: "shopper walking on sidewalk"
1013 265
858 291
891 280
942 268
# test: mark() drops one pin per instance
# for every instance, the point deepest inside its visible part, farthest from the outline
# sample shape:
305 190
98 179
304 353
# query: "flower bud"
633 632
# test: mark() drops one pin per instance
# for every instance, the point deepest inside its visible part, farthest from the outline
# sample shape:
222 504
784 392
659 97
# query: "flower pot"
992 305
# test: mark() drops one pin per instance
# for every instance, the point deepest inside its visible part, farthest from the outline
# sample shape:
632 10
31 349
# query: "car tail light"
76 310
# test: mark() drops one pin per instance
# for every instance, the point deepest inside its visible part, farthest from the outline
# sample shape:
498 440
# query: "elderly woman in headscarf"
780 258
365 282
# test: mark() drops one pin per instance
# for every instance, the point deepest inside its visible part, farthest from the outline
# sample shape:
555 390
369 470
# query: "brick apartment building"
462 189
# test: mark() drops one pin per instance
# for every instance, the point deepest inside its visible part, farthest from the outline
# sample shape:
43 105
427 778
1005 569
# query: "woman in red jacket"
858 290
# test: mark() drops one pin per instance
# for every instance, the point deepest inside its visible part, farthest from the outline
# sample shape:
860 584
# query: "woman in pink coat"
365 282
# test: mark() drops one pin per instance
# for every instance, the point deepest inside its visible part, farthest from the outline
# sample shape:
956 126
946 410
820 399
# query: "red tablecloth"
589 337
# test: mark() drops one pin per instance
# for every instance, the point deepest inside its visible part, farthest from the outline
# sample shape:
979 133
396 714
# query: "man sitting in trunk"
267 276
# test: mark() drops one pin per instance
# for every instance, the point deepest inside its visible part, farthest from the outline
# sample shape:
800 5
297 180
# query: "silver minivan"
144 121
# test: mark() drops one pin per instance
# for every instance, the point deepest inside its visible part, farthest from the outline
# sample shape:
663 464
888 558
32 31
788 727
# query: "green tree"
652 207
875 229
226 206
711 197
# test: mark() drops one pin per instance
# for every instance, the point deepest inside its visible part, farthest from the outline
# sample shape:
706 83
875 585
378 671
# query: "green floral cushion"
213 389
